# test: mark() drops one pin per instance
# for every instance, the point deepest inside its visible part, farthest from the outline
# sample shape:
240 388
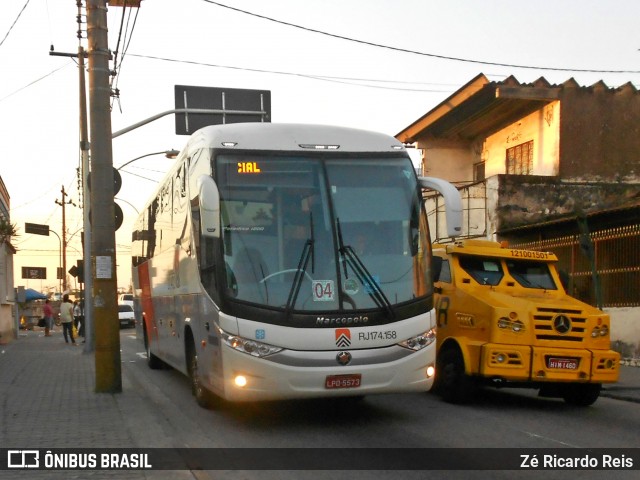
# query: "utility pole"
87 298
103 245
63 203
86 206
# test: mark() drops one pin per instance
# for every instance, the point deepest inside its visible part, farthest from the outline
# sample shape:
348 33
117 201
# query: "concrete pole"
86 207
63 204
106 324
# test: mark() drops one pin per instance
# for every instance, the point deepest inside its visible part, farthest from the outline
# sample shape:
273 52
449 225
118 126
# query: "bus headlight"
240 381
250 347
420 341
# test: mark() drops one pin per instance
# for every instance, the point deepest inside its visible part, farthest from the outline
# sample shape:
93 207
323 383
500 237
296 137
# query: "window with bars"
520 159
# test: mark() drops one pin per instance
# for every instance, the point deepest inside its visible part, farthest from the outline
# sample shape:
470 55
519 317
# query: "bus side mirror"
436 267
209 198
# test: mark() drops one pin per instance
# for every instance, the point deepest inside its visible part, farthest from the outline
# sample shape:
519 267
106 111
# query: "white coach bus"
280 261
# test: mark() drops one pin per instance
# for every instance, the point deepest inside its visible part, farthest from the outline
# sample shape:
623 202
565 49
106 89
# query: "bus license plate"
343 381
563 363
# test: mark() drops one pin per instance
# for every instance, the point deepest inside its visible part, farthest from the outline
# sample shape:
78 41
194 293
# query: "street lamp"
167 153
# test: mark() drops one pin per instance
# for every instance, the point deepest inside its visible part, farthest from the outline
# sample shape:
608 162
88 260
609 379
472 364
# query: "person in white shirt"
66 318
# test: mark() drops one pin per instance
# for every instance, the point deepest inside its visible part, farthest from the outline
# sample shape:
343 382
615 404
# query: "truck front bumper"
522 363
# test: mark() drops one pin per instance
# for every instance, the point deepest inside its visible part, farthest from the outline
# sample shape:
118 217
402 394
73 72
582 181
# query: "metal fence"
612 279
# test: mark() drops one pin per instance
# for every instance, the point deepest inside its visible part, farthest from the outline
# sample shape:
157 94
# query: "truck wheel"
204 397
153 362
454 385
581 394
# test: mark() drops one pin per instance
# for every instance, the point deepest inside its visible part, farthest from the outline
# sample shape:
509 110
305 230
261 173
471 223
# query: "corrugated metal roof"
484 107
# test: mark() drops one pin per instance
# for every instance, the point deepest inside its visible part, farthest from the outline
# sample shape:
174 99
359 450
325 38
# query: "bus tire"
204 397
581 394
153 362
453 384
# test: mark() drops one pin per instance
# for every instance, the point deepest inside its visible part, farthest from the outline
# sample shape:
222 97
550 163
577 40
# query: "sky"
372 64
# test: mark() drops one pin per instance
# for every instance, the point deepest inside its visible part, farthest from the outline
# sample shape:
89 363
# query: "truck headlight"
601 331
513 323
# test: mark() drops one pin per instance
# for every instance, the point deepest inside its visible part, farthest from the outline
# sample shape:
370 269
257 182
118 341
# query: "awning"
31 294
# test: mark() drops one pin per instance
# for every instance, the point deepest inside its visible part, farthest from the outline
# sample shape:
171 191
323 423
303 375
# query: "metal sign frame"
219 106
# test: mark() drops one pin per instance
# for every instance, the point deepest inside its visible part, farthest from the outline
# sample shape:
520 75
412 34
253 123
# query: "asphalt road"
506 418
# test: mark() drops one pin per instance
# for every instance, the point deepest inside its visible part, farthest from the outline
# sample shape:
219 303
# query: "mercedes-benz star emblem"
562 324
343 358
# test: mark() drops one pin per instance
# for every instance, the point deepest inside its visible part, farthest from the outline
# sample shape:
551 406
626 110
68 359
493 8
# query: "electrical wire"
14 22
415 52
126 42
36 81
326 78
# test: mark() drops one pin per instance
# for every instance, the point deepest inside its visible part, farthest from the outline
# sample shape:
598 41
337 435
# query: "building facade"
7 322
553 167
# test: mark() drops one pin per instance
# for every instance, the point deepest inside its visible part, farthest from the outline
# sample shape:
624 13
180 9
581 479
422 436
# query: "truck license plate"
563 363
343 381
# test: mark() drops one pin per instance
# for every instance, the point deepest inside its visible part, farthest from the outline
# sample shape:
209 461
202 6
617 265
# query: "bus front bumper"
318 374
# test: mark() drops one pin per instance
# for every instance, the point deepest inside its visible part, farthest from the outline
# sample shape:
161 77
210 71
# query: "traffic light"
118 215
77 271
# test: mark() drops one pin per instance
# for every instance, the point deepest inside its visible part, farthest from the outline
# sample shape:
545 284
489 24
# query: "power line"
326 78
415 52
126 41
36 81
14 22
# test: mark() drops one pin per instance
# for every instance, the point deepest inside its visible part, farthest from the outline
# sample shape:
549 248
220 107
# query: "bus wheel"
153 362
204 398
581 394
453 384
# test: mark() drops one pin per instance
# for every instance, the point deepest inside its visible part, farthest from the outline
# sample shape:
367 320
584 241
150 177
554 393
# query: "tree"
7 231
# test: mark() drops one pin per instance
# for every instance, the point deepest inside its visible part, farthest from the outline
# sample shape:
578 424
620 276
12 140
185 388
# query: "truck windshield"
484 270
322 234
531 274
490 271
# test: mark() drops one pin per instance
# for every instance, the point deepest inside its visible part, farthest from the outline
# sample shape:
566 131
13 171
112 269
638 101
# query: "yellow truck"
504 319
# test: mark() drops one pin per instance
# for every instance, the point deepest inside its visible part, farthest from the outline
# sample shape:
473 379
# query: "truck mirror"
436 267
564 279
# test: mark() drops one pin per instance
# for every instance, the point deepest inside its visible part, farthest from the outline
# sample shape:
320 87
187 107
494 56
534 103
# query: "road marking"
542 437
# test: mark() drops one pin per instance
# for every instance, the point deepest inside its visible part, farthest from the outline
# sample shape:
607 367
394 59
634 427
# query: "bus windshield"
310 234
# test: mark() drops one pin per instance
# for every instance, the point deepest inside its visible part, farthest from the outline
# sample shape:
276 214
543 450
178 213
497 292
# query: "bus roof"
291 137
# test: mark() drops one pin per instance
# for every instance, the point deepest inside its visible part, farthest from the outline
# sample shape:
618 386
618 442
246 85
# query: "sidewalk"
47 400
628 386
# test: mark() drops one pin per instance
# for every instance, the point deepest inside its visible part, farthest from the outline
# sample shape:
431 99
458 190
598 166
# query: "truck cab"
505 319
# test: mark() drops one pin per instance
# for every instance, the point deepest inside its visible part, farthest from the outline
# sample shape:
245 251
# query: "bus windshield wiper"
308 254
351 258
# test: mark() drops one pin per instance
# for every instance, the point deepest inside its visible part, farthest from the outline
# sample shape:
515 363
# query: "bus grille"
559 324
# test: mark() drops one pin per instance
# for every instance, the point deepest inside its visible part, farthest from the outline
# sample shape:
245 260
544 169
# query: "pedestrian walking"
77 318
66 318
48 318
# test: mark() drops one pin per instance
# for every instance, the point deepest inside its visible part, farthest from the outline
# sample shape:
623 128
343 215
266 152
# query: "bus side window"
205 253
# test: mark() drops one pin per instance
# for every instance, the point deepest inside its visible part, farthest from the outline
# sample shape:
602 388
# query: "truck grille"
559 324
